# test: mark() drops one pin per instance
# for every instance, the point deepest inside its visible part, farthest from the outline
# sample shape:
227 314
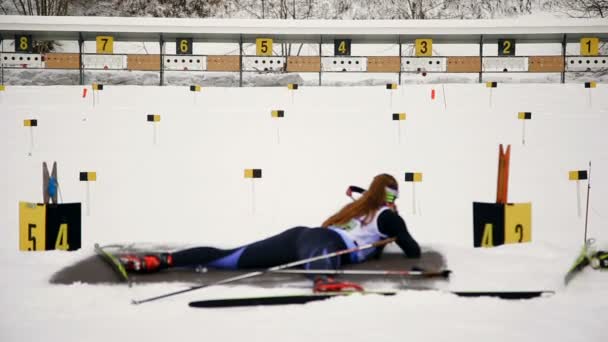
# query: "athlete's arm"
391 224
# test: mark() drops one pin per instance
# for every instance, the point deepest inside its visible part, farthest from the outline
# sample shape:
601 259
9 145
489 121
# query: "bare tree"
276 9
42 7
585 8
416 9
167 8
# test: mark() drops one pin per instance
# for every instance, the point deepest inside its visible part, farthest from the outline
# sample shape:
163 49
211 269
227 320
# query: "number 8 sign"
23 43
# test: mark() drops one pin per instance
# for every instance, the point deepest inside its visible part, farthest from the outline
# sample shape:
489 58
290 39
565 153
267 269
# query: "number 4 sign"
342 47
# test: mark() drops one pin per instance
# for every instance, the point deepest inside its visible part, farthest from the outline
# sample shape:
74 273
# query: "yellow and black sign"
577 175
491 84
104 44
524 116
292 86
153 117
424 47
413 177
518 220
495 224
506 47
590 84
253 173
392 86
263 47
342 47
32 234
47 227
590 46
97 86
183 46
23 43
2 87
30 123
88 176
278 113
398 116
195 88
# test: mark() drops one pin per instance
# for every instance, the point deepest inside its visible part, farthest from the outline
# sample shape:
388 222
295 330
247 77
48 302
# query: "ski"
581 261
306 298
405 273
113 262
280 300
505 294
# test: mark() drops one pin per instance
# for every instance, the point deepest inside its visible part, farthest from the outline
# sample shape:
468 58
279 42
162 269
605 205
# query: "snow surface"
189 188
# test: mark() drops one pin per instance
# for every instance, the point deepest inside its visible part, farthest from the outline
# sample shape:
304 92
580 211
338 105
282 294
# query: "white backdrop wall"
189 186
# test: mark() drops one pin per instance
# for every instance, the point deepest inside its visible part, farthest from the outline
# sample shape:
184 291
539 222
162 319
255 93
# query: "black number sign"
506 47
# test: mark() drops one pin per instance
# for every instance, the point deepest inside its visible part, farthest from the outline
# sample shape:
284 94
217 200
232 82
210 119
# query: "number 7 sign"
104 44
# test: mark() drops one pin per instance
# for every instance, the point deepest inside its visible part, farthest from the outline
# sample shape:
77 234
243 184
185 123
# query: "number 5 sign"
105 44
263 47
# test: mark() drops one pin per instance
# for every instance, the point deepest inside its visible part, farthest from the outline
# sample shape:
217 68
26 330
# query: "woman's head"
381 192
377 191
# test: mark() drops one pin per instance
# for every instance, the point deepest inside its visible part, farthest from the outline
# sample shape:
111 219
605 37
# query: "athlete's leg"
202 256
276 250
320 241
269 252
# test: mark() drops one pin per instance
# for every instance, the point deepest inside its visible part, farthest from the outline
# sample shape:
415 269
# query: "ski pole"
587 209
271 269
443 274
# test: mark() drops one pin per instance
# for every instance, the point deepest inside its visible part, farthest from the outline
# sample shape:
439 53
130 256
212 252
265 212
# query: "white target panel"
104 61
344 63
183 62
505 64
424 64
584 63
22 60
264 64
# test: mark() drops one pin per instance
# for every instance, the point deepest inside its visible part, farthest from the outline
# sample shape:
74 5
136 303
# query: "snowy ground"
189 188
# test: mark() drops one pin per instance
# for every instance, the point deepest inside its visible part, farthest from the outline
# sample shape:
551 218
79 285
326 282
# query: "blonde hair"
367 205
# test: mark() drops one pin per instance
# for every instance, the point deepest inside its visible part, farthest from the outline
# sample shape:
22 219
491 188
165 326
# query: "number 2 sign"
506 47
